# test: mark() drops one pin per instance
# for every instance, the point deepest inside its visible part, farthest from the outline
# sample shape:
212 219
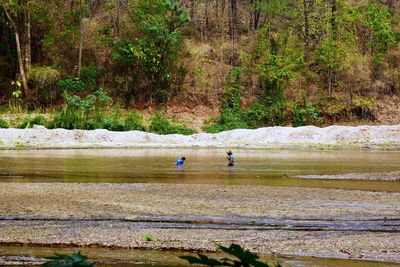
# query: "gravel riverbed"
269 220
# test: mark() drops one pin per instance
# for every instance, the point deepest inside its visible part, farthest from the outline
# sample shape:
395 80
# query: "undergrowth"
270 111
159 124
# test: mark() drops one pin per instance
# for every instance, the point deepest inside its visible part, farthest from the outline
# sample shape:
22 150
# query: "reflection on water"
258 167
130 257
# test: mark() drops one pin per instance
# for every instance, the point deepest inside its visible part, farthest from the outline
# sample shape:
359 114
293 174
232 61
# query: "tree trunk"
206 20
27 41
334 19
233 20
251 12
256 15
20 55
306 12
192 12
21 64
80 39
117 19
334 27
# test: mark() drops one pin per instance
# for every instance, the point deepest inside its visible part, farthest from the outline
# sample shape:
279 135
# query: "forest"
183 66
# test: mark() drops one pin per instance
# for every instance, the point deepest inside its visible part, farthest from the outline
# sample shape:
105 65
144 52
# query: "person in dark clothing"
230 158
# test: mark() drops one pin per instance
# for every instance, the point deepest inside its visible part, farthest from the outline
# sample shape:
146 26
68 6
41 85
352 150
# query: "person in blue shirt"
230 158
180 162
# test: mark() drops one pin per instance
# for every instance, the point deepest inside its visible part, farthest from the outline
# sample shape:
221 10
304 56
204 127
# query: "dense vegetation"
275 62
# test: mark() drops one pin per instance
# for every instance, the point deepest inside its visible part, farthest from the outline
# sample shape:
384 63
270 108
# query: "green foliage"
44 75
226 121
243 258
327 54
79 113
277 113
113 124
89 76
332 108
231 113
63 260
148 238
233 90
363 107
134 122
29 122
159 24
71 84
43 80
293 46
255 116
160 125
378 20
3 123
277 64
305 115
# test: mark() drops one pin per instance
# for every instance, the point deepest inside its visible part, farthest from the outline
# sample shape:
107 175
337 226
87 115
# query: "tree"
156 45
378 20
13 10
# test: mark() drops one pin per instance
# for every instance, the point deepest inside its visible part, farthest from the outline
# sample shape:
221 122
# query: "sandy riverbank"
375 137
297 221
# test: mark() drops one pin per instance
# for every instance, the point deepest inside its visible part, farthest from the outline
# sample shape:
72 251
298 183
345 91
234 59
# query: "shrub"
156 54
113 124
333 108
277 113
363 107
29 122
148 238
65 118
255 116
226 121
44 79
44 75
89 76
87 113
71 84
3 124
231 116
160 125
305 114
134 121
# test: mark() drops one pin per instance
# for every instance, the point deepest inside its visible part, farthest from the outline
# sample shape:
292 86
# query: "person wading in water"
230 158
180 162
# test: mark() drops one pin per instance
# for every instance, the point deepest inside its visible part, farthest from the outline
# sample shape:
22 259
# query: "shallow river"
255 167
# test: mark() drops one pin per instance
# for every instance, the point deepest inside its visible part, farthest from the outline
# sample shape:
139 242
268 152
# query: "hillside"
246 64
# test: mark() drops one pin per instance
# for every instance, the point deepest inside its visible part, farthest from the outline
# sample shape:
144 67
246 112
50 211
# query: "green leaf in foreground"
245 258
62 260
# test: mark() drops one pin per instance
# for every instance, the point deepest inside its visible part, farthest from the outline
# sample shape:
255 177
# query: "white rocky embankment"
387 137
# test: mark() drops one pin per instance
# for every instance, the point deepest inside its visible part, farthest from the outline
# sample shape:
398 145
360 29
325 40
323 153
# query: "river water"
203 166
253 167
